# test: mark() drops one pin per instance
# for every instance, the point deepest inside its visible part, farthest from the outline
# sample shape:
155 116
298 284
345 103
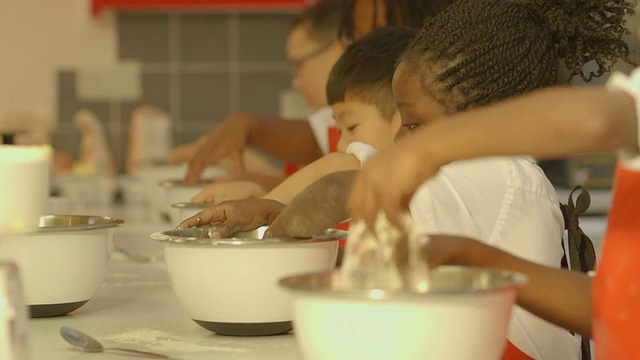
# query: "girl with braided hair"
475 53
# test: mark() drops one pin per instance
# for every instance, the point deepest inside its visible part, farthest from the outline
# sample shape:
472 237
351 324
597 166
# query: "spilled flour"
170 342
388 258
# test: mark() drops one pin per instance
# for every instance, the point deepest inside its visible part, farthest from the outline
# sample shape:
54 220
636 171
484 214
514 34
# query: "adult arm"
289 140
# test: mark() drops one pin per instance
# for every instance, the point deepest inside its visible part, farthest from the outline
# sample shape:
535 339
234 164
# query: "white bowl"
63 263
153 172
184 210
230 286
464 316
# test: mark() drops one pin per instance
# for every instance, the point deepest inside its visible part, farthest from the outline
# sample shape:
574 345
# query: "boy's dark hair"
322 20
365 70
409 13
477 52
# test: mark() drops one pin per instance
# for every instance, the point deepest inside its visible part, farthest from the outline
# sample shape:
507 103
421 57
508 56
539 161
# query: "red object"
191 5
290 169
334 137
343 226
511 352
616 287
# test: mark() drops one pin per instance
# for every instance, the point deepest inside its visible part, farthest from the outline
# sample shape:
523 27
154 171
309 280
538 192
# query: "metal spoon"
89 344
134 255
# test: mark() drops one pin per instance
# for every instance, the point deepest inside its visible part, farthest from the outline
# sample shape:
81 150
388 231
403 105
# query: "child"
359 90
546 124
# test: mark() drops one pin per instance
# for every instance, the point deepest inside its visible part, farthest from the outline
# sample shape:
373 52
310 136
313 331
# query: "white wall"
40 37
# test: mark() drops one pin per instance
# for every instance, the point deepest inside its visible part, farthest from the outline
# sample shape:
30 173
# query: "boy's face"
415 107
361 122
312 63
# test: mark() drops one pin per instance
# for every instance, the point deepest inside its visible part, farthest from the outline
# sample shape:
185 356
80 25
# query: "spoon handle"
147 353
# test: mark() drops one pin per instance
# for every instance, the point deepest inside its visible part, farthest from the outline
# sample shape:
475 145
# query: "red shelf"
196 5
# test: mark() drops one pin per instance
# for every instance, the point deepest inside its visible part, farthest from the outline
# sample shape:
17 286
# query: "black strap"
581 252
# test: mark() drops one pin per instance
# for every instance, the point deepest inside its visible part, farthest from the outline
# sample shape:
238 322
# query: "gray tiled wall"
199 67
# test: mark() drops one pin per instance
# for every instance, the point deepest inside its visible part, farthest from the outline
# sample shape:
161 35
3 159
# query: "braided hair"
409 13
476 52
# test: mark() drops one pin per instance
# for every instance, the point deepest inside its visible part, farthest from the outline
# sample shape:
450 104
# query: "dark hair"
365 69
409 13
321 19
476 52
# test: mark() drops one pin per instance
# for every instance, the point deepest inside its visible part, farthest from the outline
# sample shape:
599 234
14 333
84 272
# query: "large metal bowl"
63 262
230 286
463 316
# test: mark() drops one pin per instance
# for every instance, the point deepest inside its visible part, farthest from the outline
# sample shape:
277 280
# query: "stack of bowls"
230 286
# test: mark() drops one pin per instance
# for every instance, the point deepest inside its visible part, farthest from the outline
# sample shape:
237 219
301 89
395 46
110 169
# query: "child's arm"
318 207
559 296
546 124
296 183
233 190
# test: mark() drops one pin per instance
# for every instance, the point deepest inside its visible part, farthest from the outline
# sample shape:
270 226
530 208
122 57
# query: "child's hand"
236 190
387 182
230 217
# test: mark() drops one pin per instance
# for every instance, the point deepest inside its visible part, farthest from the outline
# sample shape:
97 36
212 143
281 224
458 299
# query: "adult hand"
235 190
387 182
228 140
184 152
234 216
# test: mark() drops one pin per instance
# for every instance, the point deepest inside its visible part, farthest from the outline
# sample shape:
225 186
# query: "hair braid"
476 52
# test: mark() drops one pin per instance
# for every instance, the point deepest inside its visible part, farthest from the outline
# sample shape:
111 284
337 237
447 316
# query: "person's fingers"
194 172
222 231
210 217
193 221
237 161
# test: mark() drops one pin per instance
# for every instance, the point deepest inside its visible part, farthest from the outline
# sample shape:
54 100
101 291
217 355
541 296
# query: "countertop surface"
136 308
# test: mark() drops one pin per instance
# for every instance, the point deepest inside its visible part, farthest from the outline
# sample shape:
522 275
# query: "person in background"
359 91
312 49
294 141
546 124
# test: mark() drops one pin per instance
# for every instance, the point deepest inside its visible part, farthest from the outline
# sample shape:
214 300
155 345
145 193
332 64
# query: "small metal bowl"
49 223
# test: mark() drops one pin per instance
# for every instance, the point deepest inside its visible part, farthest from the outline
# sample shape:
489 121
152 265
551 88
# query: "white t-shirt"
629 84
320 122
506 202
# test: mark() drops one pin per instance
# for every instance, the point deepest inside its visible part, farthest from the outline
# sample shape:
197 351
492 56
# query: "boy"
359 90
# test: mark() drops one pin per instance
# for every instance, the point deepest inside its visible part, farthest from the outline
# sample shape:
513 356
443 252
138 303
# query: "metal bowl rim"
329 235
109 222
517 280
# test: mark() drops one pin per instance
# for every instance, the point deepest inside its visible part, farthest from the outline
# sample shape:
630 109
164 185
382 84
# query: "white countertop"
136 308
